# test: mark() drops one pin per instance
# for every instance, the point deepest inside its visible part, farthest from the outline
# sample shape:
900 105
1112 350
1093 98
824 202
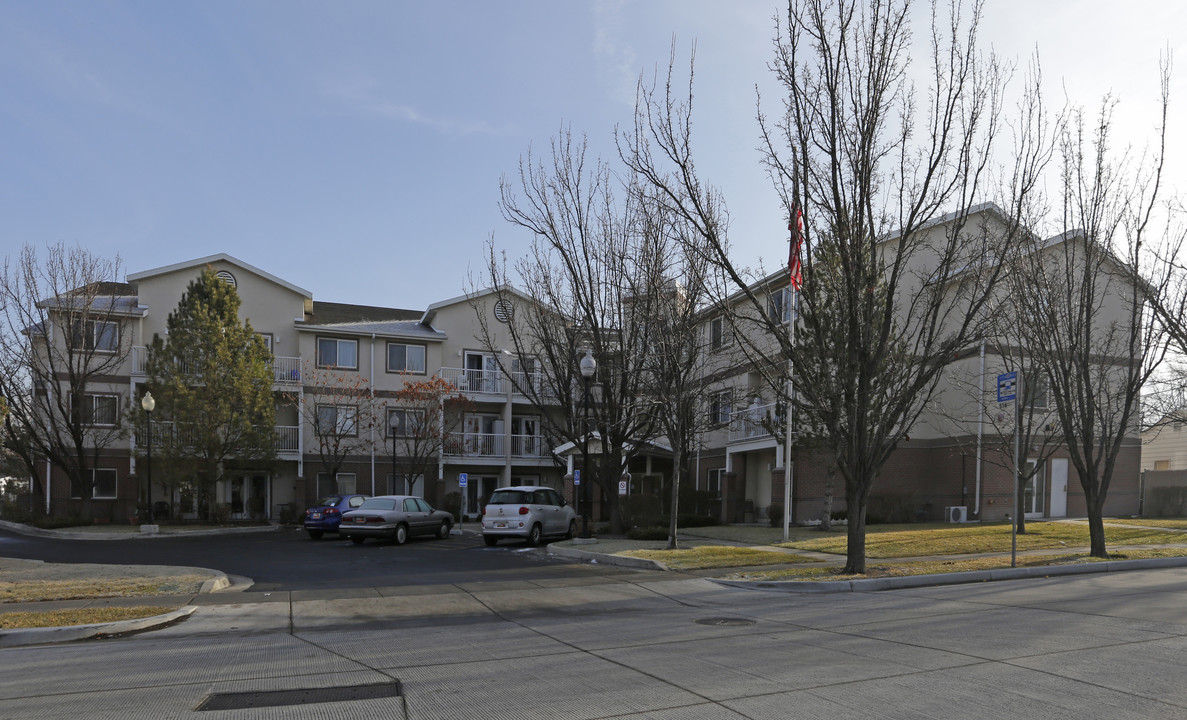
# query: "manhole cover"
280 698
724 621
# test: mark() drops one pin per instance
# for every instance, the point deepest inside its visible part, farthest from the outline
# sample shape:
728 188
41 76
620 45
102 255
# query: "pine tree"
212 378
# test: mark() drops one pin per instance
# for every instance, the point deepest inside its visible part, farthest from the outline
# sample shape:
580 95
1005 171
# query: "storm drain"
280 698
724 621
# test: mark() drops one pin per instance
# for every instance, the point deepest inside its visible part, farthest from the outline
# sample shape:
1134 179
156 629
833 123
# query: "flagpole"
794 273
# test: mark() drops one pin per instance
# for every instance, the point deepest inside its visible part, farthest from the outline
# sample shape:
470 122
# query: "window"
1036 392
103 483
101 410
96 335
334 353
337 420
1162 465
340 484
407 422
402 483
779 305
267 338
720 407
719 333
713 482
406 358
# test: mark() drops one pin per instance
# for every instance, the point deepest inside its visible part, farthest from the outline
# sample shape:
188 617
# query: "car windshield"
510 497
330 500
379 504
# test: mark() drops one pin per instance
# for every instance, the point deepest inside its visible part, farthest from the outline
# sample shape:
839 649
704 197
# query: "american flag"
794 265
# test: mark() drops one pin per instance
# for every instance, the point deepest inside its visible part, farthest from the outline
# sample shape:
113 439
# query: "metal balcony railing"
167 434
285 370
475 445
751 423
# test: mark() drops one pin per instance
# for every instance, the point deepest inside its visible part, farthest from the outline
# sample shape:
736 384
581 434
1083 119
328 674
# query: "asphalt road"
287 559
637 646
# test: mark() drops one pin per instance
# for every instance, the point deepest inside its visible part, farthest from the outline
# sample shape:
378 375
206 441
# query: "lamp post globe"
148 404
588 367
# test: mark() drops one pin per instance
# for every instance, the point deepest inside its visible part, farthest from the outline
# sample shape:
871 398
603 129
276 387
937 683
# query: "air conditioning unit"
957 514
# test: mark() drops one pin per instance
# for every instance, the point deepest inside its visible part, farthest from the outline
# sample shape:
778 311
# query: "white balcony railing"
285 370
166 433
474 381
475 445
527 446
751 423
288 438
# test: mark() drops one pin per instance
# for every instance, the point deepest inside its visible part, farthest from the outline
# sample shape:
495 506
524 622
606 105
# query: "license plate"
316 516
360 520
500 524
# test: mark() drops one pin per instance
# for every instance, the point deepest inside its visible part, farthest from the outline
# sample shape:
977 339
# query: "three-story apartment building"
338 370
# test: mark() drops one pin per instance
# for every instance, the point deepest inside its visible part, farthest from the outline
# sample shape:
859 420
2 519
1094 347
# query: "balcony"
474 381
492 381
167 433
494 445
752 423
285 370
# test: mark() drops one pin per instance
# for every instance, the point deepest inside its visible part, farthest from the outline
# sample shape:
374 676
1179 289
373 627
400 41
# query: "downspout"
980 431
48 470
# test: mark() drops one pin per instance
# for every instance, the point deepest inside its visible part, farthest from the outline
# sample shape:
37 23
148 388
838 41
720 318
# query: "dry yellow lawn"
716 556
27 590
82 616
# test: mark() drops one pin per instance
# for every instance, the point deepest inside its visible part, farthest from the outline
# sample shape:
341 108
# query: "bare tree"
1090 297
893 287
422 418
583 236
64 336
343 412
669 281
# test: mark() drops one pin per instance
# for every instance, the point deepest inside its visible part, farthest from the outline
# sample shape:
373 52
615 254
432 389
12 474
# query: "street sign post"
1007 391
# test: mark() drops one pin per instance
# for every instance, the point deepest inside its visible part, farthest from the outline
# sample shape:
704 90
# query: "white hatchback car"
531 512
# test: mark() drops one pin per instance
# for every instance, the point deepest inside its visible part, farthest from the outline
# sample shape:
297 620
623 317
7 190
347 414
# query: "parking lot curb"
41 636
67 535
605 559
939 579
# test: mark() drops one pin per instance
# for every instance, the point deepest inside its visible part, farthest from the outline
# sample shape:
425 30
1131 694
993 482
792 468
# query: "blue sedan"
326 515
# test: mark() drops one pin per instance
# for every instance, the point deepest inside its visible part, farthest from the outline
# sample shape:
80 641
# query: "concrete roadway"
637 645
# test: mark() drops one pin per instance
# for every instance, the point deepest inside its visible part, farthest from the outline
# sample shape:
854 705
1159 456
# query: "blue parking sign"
462 478
1007 386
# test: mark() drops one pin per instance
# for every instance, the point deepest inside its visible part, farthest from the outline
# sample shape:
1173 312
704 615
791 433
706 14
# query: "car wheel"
536 536
401 534
490 540
572 530
443 531
357 539
315 534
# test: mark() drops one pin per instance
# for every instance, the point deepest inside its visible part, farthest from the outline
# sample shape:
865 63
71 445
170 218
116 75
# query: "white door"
1058 488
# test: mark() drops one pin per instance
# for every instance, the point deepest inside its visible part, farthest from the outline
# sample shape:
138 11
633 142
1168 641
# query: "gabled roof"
330 313
431 312
220 257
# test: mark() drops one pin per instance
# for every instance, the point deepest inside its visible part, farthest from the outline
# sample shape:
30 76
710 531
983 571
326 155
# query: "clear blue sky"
355 148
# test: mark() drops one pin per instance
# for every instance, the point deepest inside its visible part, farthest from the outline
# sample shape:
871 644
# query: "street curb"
67 535
915 581
604 559
41 636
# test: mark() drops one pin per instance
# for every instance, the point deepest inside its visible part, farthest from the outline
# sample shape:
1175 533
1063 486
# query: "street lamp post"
148 404
588 367
393 422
